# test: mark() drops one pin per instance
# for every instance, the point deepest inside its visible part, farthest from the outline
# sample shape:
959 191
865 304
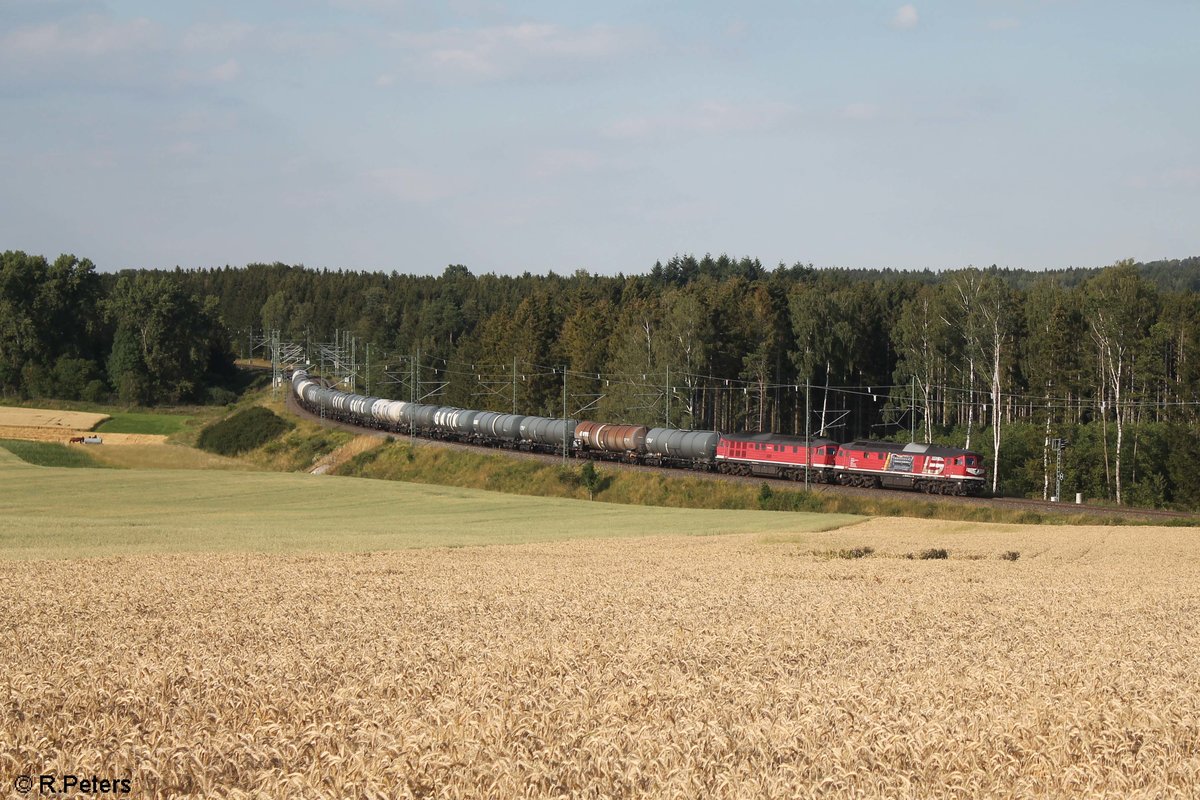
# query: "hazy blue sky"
409 135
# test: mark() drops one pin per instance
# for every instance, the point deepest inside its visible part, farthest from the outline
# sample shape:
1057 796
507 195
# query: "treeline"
69 332
1003 361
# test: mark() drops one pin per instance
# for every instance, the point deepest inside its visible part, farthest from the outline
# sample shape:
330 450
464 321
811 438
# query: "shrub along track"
1015 504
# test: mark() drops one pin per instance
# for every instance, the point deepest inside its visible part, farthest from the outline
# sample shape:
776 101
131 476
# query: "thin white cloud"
1177 178
182 150
713 117
297 40
492 53
906 17
557 162
859 112
216 37
92 35
1004 24
228 71
415 184
225 72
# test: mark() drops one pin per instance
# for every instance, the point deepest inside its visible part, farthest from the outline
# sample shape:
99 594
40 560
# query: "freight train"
924 467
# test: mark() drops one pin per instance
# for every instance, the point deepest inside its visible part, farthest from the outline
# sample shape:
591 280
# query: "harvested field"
64 435
753 665
11 417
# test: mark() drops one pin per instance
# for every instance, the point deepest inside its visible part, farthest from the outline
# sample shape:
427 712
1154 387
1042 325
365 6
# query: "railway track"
1007 503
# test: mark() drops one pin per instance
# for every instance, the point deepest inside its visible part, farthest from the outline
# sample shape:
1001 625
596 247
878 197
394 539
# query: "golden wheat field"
49 418
755 665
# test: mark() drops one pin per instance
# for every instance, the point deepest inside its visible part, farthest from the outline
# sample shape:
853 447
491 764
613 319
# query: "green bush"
95 392
219 396
244 431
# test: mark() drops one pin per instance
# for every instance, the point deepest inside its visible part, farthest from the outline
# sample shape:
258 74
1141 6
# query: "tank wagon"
922 467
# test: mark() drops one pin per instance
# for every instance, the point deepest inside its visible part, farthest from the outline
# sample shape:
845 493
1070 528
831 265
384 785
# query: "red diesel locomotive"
889 465
777 456
926 467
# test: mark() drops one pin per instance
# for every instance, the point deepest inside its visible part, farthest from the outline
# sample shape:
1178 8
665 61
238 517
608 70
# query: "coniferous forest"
1104 363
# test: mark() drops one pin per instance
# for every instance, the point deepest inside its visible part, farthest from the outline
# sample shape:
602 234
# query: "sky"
509 137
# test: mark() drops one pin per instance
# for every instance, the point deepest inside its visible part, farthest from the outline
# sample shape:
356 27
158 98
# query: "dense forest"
1103 362
69 332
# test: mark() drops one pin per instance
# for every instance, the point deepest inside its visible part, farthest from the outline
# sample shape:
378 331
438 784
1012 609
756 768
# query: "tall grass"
300 449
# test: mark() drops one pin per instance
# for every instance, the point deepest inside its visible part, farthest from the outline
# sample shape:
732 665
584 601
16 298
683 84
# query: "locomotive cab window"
958 461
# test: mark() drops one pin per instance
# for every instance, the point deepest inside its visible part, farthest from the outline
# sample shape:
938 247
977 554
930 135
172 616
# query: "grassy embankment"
72 513
401 461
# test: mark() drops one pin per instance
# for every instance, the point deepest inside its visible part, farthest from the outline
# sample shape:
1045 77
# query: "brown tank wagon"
611 439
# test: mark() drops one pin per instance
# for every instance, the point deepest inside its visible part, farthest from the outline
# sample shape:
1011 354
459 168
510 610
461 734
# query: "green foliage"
69 379
219 396
592 480
96 391
49 323
169 345
1183 465
246 430
48 454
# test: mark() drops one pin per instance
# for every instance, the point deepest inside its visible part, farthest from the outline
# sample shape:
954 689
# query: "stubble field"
11 416
752 665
